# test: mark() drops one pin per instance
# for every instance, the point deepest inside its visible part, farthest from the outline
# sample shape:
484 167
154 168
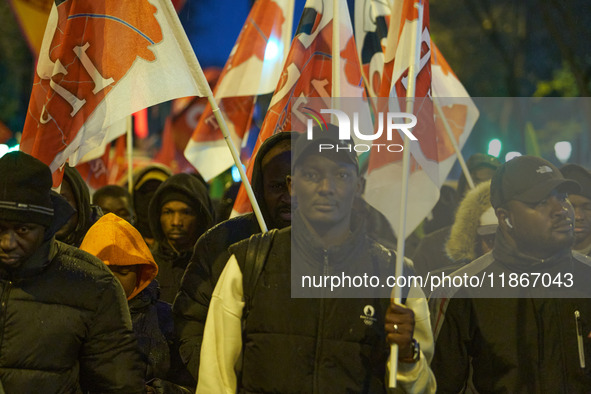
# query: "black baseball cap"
581 175
528 179
325 143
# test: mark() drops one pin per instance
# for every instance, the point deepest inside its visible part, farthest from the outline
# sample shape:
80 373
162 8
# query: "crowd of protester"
152 291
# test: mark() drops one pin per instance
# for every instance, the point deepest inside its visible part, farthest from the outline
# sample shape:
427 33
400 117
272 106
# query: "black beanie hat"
176 195
25 186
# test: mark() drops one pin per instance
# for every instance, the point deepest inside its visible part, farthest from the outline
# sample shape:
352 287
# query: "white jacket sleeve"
222 338
418 377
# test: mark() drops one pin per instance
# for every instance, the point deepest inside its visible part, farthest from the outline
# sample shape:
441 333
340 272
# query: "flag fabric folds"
432 155
253 68
101 61
306 80
372 18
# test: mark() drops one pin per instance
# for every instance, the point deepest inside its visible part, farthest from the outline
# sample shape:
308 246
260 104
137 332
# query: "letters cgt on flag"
101 61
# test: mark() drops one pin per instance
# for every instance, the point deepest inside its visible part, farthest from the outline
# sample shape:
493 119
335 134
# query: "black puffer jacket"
207 263
64 325
171 263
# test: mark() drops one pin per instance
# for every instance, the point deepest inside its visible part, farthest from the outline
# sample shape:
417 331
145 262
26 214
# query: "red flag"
171 151
118 163
96 171
101 61
252 69
307 74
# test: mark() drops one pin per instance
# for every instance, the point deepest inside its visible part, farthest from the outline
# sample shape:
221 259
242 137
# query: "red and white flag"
101 61
432 155
372 18
306 80
253 68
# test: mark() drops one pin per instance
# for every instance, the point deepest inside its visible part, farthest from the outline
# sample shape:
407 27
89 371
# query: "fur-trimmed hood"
463 239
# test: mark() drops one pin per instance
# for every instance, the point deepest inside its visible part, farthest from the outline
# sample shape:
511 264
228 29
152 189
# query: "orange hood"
116 242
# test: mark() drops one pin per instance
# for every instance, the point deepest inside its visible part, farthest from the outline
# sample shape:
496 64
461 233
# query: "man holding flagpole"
294 343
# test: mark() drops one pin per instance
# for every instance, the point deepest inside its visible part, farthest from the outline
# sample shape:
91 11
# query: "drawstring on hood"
116 242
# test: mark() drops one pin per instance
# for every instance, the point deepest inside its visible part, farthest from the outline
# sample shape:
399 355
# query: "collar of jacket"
164 249
145 298
520 262
312 249
35 264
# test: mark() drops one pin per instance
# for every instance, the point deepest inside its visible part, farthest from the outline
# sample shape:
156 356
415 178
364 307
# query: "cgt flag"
101 61
307 74
433 155
253 68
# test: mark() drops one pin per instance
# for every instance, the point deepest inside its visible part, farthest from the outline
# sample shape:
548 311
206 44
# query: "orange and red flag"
101 61
307 80
253 68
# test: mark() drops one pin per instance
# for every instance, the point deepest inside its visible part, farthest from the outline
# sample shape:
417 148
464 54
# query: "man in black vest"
291 342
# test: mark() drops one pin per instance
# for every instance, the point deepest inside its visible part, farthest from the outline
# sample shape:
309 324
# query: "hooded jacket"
209 259
64 323
82 197
462 245
116 242
171 263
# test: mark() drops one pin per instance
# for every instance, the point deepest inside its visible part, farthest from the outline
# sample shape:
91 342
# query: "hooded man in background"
180 211
145 183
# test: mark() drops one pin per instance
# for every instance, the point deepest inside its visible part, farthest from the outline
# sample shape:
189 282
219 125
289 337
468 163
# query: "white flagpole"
336 57
129 155
204 86
410 98
224 128
451 137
